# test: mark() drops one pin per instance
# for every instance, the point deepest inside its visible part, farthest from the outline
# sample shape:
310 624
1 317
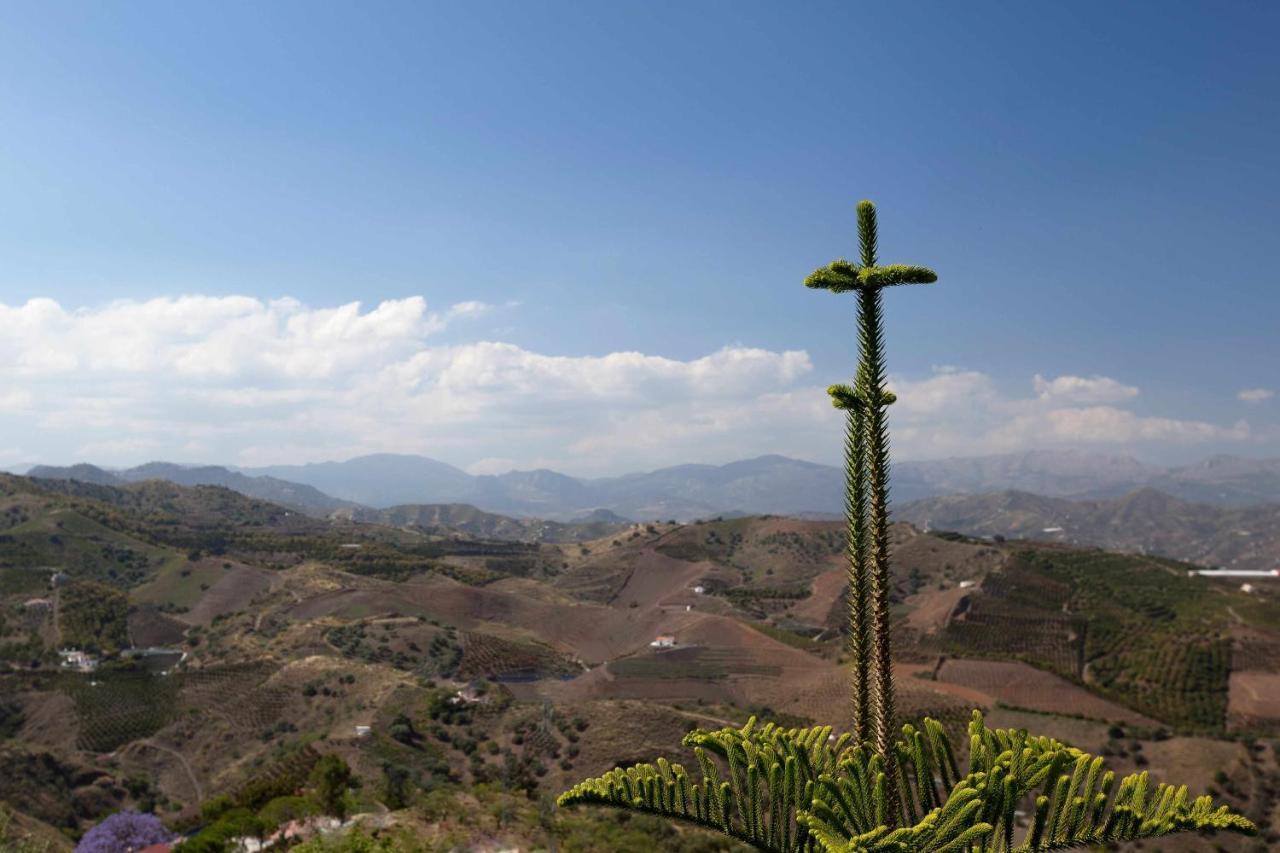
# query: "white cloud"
961 412
1081 389
1255 395
236 379
240 380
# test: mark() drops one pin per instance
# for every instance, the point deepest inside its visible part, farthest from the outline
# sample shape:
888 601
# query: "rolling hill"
1146 521
529 664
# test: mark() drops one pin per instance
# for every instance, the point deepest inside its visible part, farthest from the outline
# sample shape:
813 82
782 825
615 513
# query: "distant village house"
78 660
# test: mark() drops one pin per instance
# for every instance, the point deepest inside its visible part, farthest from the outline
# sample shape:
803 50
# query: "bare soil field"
50 720
232 592
1193 761
826 588
931 609
1024 686
1254 695
661 580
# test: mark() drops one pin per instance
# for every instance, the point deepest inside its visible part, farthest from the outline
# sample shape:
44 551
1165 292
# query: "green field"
1136 630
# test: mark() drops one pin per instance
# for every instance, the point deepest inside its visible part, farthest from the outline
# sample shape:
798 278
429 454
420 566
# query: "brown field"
825 589
1024 686
233 591
1253 696
1192 761
658 580
931 609
51 720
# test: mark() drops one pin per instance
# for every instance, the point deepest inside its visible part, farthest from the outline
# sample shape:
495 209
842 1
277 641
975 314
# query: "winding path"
182 759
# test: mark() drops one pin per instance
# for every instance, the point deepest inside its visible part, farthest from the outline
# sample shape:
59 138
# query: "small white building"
78 660
363 731
967 584
1246 588
469 695
699 590
663 641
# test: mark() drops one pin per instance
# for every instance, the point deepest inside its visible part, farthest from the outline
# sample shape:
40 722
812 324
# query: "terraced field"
487 656
695 662
115 708
1139 632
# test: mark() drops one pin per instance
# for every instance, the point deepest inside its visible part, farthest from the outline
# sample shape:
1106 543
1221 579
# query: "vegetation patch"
696 662
93 616
487 656
115 707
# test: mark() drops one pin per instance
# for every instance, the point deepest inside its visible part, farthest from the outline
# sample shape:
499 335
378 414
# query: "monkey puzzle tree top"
806 790
867 483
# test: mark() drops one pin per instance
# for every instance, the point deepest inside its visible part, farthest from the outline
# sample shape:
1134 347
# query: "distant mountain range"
1219 480
297 495
1146 521
768 484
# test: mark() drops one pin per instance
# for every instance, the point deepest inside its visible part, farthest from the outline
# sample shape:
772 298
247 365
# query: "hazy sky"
573 235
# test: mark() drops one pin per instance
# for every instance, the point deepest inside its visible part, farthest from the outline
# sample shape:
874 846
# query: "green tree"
331 778
395 784
807 789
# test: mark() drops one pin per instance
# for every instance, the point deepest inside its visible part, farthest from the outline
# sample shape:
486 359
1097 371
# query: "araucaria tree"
883 788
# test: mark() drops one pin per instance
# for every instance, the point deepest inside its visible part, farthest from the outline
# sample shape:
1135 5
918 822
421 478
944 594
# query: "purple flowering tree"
124 832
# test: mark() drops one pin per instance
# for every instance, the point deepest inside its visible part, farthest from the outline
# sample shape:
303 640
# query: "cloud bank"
244 381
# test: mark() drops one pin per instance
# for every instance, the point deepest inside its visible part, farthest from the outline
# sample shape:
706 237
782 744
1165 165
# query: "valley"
478 669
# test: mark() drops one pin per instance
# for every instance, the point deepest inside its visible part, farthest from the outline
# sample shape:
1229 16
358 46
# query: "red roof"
156 848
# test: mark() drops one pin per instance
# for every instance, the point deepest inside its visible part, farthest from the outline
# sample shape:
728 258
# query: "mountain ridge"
771 484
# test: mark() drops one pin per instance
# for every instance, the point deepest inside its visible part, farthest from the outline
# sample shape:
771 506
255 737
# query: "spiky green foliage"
841 276
867 490
754 780
855 505
806 790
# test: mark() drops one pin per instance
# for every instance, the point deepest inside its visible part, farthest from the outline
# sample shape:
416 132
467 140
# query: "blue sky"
587 226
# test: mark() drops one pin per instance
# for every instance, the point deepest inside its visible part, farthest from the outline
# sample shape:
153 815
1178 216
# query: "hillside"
295 495
464 518
1146 521
768 484
295 630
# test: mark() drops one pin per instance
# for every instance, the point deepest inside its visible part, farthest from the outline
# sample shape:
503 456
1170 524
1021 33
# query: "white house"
78 660
663 641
